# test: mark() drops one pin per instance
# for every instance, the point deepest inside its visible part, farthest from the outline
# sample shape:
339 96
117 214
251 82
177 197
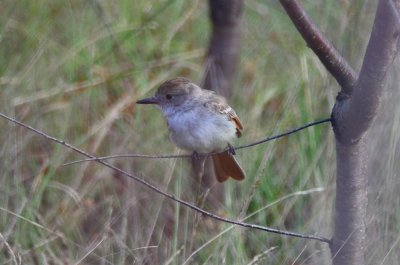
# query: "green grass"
74 70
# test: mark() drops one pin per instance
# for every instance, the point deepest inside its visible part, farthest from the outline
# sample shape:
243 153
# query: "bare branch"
189 155
327 54
163 193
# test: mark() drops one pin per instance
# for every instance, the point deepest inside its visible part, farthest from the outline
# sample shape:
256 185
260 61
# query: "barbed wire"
163 193
209 154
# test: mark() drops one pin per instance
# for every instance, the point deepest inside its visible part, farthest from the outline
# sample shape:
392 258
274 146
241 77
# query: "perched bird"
200 121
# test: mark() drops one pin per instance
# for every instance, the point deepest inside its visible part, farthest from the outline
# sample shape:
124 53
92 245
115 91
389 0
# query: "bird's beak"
152 100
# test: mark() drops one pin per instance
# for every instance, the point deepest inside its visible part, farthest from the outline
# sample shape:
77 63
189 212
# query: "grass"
74 70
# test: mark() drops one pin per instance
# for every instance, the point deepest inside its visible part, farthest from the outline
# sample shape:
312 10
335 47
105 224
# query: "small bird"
200 121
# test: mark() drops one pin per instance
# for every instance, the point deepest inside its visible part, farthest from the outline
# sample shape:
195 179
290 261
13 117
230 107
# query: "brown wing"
220 106
239 126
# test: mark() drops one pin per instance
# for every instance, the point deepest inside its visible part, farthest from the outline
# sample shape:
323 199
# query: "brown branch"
163 193
327 54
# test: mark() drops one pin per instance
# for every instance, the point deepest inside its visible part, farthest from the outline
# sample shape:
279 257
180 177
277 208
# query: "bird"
200 121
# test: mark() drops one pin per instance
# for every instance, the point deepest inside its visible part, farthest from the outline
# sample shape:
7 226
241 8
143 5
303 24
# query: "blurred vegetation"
74 70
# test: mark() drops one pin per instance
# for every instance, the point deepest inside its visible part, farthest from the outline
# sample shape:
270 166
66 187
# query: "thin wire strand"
189 155
284 134
159 191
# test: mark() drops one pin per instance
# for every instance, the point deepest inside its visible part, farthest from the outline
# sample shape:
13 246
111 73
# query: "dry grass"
74 70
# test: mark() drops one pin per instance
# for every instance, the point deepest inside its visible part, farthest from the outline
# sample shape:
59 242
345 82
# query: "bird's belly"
201 133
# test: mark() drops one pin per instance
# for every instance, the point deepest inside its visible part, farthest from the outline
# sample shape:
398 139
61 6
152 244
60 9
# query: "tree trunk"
220 70
351 202
355 109
352 117
223 51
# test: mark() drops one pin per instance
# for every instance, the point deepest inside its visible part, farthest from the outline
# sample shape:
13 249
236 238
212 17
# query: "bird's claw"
196 156
231 150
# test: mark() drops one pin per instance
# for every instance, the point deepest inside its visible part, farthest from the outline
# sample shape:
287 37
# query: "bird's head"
173 93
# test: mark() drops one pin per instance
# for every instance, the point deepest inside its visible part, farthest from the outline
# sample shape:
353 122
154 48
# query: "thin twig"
297 193
189 155
327 54
9 249
163 193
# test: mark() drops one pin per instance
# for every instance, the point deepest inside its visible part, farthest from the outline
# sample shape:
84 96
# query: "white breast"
200 130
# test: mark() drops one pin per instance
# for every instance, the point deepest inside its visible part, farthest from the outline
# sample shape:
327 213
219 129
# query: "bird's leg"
198 162
231 149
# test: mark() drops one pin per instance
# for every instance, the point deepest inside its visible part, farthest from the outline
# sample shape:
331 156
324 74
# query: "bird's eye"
168 96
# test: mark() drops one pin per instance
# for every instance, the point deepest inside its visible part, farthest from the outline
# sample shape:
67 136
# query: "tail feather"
219 172
225 166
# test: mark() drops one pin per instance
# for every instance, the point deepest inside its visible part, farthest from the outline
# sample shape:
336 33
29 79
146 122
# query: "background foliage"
74 70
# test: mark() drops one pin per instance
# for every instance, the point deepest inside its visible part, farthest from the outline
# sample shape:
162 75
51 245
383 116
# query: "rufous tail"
225 166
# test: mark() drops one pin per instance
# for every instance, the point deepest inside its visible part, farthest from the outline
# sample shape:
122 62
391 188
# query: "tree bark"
348 244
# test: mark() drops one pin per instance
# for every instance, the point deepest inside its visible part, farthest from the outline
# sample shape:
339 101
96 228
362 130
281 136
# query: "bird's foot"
196 156
231 149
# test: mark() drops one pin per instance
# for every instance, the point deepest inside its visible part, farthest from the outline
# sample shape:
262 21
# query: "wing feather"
219 105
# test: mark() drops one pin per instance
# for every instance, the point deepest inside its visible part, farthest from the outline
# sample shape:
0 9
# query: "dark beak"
152 100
